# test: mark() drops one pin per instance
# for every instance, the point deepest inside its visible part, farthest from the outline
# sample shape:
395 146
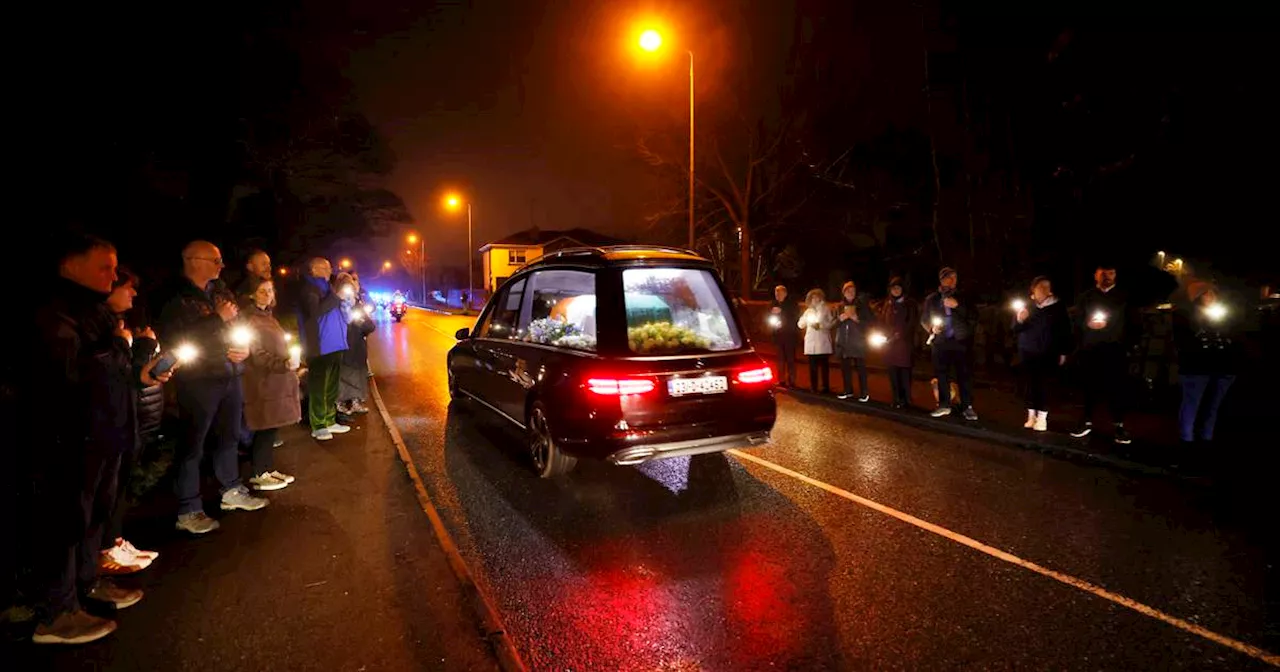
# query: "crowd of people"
1096 336
99 378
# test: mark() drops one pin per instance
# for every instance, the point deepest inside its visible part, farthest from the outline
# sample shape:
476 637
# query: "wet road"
798 562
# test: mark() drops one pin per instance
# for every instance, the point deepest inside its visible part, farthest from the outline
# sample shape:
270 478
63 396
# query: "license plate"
679 387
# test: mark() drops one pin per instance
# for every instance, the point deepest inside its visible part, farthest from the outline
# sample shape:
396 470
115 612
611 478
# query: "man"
951 321
1104 323
783 317
81 386
209 394
324 339
256 266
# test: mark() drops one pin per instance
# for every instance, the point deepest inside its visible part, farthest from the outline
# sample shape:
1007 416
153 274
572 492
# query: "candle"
1099 317
877 339
1019 305
775 321
241 337
1215 311
937 321
288 337
186 352
295 356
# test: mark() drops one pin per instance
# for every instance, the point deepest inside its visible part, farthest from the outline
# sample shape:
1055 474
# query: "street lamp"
651 41
345 264
415 239
386 265
454 202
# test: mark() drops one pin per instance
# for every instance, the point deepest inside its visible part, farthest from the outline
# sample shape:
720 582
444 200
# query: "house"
504 257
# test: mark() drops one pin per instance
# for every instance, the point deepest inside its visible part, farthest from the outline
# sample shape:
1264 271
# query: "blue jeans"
208 405
1198 391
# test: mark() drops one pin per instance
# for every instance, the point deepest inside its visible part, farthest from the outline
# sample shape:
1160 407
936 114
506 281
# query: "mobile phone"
167 362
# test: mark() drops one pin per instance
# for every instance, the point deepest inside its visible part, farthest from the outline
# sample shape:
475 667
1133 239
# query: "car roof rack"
606 250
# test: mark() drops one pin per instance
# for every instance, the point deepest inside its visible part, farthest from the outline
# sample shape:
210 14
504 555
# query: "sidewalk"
1001 411
340 572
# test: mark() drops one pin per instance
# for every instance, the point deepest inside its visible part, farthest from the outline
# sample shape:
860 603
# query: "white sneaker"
844 396
941 411
266 482
335 428
115 561
1031 418
864 398
284 477
359 407
322 434
135 551
1042 421
196 522
239 498
278 443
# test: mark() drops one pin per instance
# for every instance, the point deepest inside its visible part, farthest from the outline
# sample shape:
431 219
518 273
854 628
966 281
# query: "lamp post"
422 262
453 202
651 40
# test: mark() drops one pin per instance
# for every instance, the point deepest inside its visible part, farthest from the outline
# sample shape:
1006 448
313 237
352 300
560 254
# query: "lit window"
515 257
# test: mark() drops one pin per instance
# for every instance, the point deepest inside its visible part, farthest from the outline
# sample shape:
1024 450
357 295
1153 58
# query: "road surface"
850 542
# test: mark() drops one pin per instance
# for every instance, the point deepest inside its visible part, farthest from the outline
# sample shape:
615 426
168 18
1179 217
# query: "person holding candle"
271 397
209 393
951 322
1043 328
353 378
324 338
817 322
1104 323
783 314
1209 357
854 321
898 317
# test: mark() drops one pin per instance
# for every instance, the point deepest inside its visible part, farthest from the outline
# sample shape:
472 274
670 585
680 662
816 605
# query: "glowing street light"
386 265
421 242
345 263
454 202
651 41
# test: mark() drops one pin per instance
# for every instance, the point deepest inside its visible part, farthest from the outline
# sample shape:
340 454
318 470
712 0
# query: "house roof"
541 238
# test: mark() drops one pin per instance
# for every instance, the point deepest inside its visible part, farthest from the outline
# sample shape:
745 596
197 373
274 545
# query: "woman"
118 556
1044 338
855 320
270 384
1209 354
817 322
899 317
353 377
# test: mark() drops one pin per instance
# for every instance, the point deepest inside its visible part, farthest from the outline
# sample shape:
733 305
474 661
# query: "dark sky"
533 107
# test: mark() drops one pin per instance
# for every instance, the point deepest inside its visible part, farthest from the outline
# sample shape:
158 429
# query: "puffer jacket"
150 403
817 323
851 337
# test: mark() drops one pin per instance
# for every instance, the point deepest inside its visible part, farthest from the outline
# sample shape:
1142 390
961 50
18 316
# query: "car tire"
548 460
456 397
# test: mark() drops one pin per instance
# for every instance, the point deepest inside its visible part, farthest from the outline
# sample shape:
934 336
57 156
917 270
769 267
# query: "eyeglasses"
216 260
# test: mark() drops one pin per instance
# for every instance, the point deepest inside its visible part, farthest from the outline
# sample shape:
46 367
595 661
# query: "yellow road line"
1181 624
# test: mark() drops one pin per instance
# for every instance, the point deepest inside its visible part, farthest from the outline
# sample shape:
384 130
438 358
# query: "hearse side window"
677 311
506 312
561 309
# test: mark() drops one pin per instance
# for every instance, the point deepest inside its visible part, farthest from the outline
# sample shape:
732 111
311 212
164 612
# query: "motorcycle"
398 309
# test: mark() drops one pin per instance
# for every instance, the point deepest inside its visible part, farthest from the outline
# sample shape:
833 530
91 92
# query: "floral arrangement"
664 336
558 331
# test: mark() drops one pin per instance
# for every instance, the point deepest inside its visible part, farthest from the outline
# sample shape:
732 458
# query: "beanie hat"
895 281
946 270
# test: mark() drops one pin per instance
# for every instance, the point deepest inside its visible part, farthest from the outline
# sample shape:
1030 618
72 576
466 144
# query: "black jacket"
357 352
150 400
964 317
190 316
851 337
1205 347
1120 318
1047 331
786 333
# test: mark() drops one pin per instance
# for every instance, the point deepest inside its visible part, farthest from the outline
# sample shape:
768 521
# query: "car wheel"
548 460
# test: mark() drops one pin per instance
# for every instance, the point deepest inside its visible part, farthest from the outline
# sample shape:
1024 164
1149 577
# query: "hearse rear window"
672 311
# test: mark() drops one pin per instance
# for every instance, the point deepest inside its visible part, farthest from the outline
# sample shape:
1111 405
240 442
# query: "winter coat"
271 395
1205 347
817 324
190 316
789 314
76 399
899 319
851 337
324 330
359 325
149 403
1046 331
962 320
1120 319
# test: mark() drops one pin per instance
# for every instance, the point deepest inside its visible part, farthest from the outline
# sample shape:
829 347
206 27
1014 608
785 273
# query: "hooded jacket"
324 330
